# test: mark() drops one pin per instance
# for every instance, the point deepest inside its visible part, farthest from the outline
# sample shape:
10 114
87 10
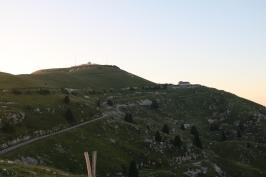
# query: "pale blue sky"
220 44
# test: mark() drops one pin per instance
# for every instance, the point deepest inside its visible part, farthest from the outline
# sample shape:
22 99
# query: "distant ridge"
86 75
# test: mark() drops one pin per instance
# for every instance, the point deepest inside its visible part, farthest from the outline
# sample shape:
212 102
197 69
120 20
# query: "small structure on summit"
181 83
185 84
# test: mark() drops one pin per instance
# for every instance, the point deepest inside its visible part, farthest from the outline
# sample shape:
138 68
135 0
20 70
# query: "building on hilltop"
181 83
185 84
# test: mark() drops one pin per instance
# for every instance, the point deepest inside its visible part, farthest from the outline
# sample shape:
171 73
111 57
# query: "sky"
219 44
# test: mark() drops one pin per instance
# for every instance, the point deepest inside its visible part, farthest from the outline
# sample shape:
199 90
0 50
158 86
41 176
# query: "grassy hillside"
94 76
9 81
32 113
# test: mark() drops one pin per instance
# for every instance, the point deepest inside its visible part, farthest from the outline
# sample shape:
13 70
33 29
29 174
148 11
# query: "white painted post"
88 163
94 158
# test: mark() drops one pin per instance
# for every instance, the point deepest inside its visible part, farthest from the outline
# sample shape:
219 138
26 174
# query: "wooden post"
88 164
94 159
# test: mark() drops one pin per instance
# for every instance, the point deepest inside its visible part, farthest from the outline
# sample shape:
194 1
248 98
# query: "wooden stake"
94 159
88 164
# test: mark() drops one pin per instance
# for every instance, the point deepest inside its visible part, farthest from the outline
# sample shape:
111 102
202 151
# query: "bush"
182 127
165 129
66 99
197 141
74 93
158 137
133 170
98 103
17 92
64 91
154 104
194 130
110 102
224 137
69 116
8 128
43 91
128 118
177 141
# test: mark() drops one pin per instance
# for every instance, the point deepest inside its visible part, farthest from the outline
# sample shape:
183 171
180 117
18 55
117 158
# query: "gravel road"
45 136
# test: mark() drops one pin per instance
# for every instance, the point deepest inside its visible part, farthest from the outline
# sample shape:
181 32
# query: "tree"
133 170
177 141
214 127
194 130
128 118
239 135
110 102
158 137
224 137
165 129
69 116
66 99
241 126
98 103
8 128
182 127
248 144
197 141
154 104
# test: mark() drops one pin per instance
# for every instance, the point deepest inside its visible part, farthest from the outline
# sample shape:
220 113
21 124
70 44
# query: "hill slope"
93 76
231 129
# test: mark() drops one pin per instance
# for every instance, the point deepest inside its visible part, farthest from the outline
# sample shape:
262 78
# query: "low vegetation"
149 129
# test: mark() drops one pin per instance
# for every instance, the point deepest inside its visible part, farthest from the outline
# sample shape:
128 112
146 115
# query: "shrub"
133 170
194 130
165 129
110 102
74 93
177 141
66 99
128 118
197 141
8 128
43 91
17 92
182 127
154 104
158 137
98 103
69 116
224 137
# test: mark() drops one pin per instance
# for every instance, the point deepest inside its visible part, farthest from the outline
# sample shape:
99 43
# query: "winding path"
45 136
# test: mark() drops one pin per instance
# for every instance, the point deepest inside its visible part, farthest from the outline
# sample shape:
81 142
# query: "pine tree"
183 127
241 126
165 129
158 137
69 116
154 104
194 130
98 103
133 170
239 135
66 99
248 144
128 118
110 102
224 136
197 141
177 141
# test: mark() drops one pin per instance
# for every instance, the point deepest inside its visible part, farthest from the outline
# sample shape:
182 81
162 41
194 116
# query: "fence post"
88 163
94 159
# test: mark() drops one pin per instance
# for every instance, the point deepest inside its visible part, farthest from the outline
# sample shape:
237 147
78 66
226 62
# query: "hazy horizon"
219 44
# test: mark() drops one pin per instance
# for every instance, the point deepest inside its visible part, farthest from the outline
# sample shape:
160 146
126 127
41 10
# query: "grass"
117 141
